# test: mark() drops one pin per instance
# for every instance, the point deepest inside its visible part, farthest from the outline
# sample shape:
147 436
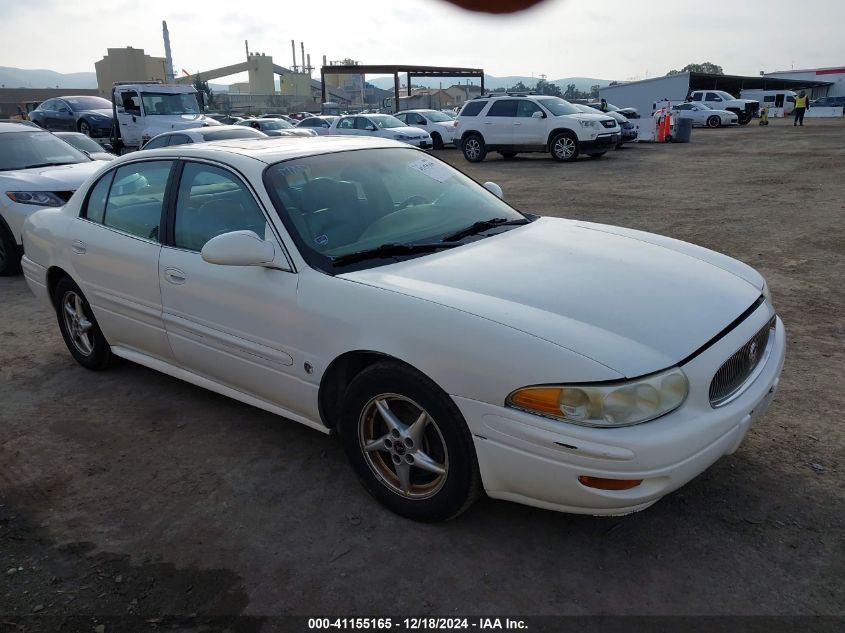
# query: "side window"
131 102
95 208
790 99
503 107
527 108
473 108
136 198
158 142
712 96
696 96
347 124
686 106
213 201
49 105
402 117
769 99
416 119
179 139
362 123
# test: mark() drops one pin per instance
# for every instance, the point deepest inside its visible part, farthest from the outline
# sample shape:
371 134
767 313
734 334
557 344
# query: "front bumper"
629 134
601 143
537 461
100 129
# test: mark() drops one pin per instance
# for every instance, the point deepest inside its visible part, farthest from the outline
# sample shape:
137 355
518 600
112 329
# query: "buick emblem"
752 352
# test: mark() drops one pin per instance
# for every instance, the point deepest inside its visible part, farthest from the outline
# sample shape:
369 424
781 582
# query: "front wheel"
744 119
714 121
474 149
408 443
436 141
85 128
564 147
10 256
79 328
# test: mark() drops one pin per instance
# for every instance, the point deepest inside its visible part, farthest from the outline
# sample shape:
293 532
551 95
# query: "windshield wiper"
483 225
36 166
390 249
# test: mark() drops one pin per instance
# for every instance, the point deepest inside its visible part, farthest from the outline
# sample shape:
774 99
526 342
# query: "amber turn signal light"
609 484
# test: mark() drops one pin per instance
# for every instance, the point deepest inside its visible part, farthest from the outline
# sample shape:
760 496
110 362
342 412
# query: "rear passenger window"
473 108
696 96
179 139
212 201
505 107
95 209
136 197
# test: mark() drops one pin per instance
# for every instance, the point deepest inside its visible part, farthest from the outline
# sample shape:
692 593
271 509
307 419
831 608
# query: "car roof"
274 149
19 127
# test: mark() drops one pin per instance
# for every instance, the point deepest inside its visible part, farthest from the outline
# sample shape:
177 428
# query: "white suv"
514 123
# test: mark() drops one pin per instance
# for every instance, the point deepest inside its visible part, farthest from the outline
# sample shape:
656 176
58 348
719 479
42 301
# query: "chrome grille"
611 123
733 374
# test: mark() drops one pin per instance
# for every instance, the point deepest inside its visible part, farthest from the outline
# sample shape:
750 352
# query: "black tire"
564 147
507 155
100 356
744 119
84 128
38 123
597 155
437 141
10 255
668 138
474 148
714 121
444 441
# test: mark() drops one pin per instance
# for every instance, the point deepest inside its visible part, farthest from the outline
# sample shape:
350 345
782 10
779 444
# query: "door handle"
517 123
175 276
488 123
78 247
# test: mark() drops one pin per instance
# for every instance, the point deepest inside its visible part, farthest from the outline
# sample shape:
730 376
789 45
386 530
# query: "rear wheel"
474 149
564 147
714 121
436 141
408 443
10 256
79 328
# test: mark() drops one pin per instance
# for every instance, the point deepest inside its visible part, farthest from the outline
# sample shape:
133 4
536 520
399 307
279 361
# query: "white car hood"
407 131
632 301
57 178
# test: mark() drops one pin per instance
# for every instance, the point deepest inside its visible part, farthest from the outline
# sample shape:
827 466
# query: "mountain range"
42 78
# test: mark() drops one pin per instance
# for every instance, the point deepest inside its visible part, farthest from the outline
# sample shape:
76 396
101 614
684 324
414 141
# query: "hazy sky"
612 39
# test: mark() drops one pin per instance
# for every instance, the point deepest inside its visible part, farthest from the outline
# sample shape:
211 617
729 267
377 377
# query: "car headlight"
38 198
591 124
606 404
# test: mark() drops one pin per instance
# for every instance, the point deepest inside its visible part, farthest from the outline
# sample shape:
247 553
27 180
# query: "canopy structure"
410 72
736 83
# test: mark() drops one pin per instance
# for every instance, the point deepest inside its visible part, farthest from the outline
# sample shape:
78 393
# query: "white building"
834 75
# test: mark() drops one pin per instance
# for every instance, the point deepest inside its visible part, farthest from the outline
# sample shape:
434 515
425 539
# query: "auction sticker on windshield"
432 169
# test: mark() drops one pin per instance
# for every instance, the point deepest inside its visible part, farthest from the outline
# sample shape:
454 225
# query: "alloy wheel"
403 446
84 128
78 324
564 147
472 148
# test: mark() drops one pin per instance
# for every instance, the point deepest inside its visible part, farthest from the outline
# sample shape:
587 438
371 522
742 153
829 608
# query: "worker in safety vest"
603 105
801 105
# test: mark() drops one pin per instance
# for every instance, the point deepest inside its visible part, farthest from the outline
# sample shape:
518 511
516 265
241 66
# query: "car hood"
58 178
407 131
632 301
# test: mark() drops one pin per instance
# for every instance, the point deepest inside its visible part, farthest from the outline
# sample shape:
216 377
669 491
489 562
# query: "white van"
773 98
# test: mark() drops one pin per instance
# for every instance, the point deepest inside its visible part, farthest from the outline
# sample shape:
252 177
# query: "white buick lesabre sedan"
455 344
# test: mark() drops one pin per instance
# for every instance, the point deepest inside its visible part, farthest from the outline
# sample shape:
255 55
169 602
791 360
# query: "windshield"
724 95
24 150
346 202
437 117
558 106
704 106
81 142
281 124
385 121
166 103
88 103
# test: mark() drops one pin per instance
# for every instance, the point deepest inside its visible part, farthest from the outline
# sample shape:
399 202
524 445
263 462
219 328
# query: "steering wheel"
412 200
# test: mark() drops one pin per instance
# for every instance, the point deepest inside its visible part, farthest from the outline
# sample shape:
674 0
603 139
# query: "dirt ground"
132 493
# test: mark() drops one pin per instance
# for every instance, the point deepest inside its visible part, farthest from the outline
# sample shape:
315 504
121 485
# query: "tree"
202 86
594 91
571 92
613 83
546 88
519 87
706 67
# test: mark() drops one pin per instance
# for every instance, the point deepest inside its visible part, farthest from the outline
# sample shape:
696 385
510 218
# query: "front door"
528 129
233 324
129 116
65 119
115 245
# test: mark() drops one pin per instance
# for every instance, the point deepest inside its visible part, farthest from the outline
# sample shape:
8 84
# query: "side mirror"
537 115
495 189
238 248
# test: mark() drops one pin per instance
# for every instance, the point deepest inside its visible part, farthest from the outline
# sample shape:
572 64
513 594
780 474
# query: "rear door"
232 324
115 251
497 125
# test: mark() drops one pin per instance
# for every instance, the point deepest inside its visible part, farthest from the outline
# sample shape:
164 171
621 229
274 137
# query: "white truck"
745 109
145 109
